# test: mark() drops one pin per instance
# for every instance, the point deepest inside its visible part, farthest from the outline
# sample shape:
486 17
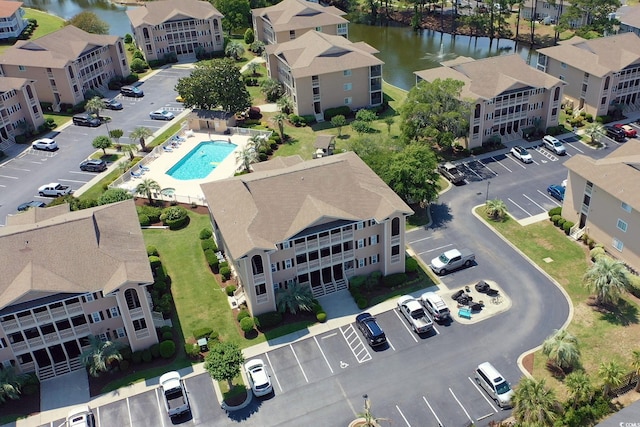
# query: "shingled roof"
260 209
47 251
299 14
8 8
12 83
158 12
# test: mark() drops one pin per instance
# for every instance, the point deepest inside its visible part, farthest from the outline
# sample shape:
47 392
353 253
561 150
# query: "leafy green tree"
389 121
612 374
215 84
496 209
272 89
279 119
148 187
11 383
374 151
562 349
140 134
138 65
365 115
360 127
433 110
113 195
597 15
95 105
295 298
246 157
223 362
249 37
116 134
102 142
580 388
100 355
89 22
236 13
534 404
339 121
412 174
234 50
595 131
608 279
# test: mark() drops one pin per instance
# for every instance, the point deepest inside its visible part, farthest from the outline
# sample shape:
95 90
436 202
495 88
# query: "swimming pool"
202 160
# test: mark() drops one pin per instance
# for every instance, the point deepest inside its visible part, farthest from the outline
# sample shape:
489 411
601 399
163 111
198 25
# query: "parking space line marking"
391 345
403 417
420 240
435 249
517 162
576 148
432 411
273 371
472 171
483 394
490 170
550 198
436 329
456 398
323 355
8 177
329 336
404 323
299 364
543 209
129 412
71 180
520 207
496 160
159 405
358 343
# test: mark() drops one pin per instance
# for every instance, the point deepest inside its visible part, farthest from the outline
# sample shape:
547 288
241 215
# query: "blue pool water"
202 160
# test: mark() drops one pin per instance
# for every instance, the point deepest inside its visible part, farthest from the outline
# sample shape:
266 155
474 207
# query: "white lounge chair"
136 174
167 149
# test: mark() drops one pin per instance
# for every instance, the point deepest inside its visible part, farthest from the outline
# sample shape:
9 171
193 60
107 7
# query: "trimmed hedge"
596 253
555 219
230 290
242 314
567 227
205 233
208 244
166 328
151 211
357 281
152 250
410 265
555 211
247 324
393 280
268 320
155 351
155 262
144 220
330 113
167 349
192 350
136 357
123 365
202 332
175 217
167 336
211 258
225 272
146 355
362 302
321 317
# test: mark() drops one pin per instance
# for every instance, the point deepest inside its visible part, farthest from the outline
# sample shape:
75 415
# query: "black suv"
371 330
93 165
132 91
86 120
615 133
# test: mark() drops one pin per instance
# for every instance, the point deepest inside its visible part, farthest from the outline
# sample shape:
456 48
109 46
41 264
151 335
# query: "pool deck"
189 189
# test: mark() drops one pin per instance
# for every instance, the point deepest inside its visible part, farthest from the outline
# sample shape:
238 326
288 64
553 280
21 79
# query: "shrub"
411 265
146 355
242 314
247 324
160 285
309 118
144 220
124 365
329 113
230 290
555 211
213 336
155 351
322 317
596 253
202 332
152 250
224 264
555 219
362 303
151 211
357 281
249 36
254 113
211 258
205 233
268 320
393 280
175 217
225 272
167 349
138 65
192 350
167 336
154 261
296 120
561 222
208 244
166 328
567 227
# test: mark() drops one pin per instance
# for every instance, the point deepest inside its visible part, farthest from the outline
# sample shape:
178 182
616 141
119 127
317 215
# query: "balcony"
43 317
259 278
136 313
82 330
143 333
51 338
66 333
35 342
27 321
17 347
10 325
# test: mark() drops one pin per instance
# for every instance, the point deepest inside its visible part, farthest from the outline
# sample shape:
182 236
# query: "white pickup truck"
452 260
413 311
175 396
54 189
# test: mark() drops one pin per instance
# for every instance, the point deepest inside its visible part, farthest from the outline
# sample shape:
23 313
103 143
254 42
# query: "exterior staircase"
576 232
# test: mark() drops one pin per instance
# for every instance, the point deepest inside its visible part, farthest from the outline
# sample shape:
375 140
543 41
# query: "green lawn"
46 24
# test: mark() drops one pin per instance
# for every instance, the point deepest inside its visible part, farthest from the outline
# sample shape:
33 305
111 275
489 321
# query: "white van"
554 144
494 383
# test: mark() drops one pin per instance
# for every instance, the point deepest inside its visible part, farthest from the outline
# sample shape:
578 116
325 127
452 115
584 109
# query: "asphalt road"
21 176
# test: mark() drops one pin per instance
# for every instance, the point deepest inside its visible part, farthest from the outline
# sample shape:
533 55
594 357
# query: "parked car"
81 416
113 104
521 154
494 383
615 133
451 260
85 119
161 115
554 144
179 98
54 189
369 327
556 191
451 172
47 144
175 397
414 312
132 91
93 165
629 131
436 306
258 377
31 204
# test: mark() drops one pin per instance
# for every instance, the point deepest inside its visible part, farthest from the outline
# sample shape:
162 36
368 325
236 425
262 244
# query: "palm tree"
367 416
95 105
140 134
253 67
285 104
11 383
389 122
146 187
635 364
612 373
246 157
496 209
295 298
534 404
130 149
595 131
258 143
279 119
580 388
234 49
607 278
100 355
562 349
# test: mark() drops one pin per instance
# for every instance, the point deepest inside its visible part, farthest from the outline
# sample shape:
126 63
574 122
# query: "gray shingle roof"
11 83
260 209
630 16
51 250
8 8
157 12
299 14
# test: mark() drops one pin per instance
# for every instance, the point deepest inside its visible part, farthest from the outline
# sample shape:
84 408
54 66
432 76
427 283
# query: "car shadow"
182 418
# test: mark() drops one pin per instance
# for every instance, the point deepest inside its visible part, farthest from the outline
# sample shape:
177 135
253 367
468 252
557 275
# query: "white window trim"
374 259
625 207
89 298
361 263
347 87
622 225
288 263
617 244
348 101
360 243
374 239
115 312
95 316
121 333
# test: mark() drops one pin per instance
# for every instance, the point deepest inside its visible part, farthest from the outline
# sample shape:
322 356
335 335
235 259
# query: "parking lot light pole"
487 196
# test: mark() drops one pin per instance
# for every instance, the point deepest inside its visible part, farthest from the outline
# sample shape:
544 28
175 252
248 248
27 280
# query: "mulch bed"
527 363
143 201
27 405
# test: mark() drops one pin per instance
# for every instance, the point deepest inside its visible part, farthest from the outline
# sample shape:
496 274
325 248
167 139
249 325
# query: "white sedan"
521 154
161 115
47 144
258 377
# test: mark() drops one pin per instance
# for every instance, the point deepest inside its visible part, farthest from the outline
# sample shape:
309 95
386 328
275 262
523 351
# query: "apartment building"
603 200
67 275
321 71
12 20
549 12
315 223
290 19
600 73
180 27
507 96
19 108
629 17
66 63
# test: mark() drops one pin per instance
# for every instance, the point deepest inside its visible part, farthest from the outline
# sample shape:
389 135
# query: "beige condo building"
506 95
19 108
309 223
180 27
67 275
12 20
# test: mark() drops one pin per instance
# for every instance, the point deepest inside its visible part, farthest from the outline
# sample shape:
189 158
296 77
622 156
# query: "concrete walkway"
76 391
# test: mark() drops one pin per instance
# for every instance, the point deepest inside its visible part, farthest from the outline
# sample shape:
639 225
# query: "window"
347 86
561 77
360 244
256 264
395 226
274 267
121 333
286 245
319 29
96 317
88 298
21 67
114 312
395 250
359 225
373 259
373 240
563 65
622 225
261 289
347 101
346 73
626 207
104 337
362 263
288 263
139 324
618 244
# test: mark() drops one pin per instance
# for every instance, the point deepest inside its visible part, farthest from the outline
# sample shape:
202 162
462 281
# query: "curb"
240 406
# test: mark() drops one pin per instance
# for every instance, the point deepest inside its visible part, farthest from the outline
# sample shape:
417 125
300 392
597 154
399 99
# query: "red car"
629 132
